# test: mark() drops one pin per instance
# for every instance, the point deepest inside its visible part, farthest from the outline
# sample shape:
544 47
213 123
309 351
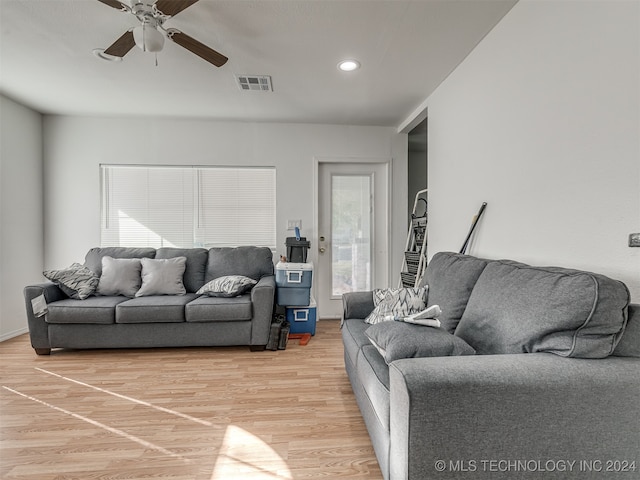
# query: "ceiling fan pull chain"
156 59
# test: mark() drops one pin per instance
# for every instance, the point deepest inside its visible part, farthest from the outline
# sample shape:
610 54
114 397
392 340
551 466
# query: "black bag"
284 335
274 332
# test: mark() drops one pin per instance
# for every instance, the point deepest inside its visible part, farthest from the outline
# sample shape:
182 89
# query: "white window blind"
188 206
237 206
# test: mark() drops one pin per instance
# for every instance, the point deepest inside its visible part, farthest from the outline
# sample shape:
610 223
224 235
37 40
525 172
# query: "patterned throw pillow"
227 286
77 281
392 303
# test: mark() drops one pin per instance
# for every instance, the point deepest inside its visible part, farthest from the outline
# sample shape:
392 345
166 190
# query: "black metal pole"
473 226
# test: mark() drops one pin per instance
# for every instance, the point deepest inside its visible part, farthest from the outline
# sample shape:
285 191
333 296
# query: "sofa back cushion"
451 278
93 259
516 308
196 264
252 262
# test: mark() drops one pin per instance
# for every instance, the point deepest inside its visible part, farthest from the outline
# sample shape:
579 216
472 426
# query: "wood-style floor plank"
182 414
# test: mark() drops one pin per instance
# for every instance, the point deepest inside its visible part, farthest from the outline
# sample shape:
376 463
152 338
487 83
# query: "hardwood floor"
190 413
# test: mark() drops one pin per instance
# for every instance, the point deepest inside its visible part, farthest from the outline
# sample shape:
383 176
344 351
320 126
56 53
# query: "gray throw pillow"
77 281
162 277
396 340
227 286
392 303
120 276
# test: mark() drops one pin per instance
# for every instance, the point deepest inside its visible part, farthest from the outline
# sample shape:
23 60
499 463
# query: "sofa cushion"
162 276
101 310
154 309
196 264
373 373
354 338
227 286
253 262
451 278
629 345
77 281
516 308
219 309
392 303
395 340
93 258
120 276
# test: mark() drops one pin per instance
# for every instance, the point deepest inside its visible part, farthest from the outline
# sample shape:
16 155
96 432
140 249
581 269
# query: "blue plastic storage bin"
294 275
292 297
302 319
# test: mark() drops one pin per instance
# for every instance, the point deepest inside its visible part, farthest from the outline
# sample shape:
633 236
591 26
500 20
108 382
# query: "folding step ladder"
415 250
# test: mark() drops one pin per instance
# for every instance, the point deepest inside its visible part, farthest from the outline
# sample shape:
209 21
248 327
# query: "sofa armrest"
455 415
262 298
38 329
357 304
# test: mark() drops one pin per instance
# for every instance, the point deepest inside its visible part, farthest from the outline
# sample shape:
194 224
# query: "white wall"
542 121
21 231
76 146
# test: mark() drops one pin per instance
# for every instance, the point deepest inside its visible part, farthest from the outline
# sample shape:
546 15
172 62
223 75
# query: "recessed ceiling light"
99 52
349 65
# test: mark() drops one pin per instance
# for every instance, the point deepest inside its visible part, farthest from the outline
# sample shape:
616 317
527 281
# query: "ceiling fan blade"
198 48
121 46
172 7
115 4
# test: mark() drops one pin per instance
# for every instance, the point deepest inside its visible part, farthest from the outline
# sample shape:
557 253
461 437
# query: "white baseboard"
15 333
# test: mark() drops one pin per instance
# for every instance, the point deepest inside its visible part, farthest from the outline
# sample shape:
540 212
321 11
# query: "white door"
353 234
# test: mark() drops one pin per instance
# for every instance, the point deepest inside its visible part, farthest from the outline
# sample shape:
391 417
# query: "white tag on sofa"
39 305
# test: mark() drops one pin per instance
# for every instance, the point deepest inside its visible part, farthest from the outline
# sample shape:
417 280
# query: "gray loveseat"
186 320
514 410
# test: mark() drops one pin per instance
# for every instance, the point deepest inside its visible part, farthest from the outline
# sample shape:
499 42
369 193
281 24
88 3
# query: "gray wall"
542 121
21 222
76 146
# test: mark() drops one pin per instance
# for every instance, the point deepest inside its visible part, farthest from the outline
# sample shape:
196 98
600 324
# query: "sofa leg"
43 351
257 348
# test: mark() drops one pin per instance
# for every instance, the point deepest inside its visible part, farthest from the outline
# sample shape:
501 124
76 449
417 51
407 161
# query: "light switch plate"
292 224
634 239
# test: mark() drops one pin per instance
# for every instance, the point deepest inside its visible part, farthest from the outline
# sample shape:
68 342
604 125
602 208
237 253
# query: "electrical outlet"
292 224
634 239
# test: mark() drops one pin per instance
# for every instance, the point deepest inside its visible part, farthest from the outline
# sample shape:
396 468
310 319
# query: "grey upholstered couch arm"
38 329
465 417
262 298
357 304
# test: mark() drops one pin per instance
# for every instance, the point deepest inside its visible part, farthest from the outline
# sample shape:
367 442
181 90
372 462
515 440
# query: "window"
187 207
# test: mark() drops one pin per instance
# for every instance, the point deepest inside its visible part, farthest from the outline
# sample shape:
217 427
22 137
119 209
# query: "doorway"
353 233
417 162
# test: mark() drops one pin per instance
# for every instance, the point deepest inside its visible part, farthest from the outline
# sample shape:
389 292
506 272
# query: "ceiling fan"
149 35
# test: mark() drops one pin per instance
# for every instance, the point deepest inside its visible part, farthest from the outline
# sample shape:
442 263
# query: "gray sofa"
186 320
553 390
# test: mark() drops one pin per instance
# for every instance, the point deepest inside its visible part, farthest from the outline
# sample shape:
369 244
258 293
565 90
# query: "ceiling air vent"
260 83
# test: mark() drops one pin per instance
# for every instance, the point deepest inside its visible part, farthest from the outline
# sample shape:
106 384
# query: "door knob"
322 249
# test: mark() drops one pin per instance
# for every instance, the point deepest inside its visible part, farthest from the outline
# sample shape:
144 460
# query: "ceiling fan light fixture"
348 65
148 38
99 52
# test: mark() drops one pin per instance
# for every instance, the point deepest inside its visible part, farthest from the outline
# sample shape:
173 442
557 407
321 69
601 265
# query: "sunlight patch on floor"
243 455
107 428
129 399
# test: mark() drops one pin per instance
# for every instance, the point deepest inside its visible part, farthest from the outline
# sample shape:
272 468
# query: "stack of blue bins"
293 281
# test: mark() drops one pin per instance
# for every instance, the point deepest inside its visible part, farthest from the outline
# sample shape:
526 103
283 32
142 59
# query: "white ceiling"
406 48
